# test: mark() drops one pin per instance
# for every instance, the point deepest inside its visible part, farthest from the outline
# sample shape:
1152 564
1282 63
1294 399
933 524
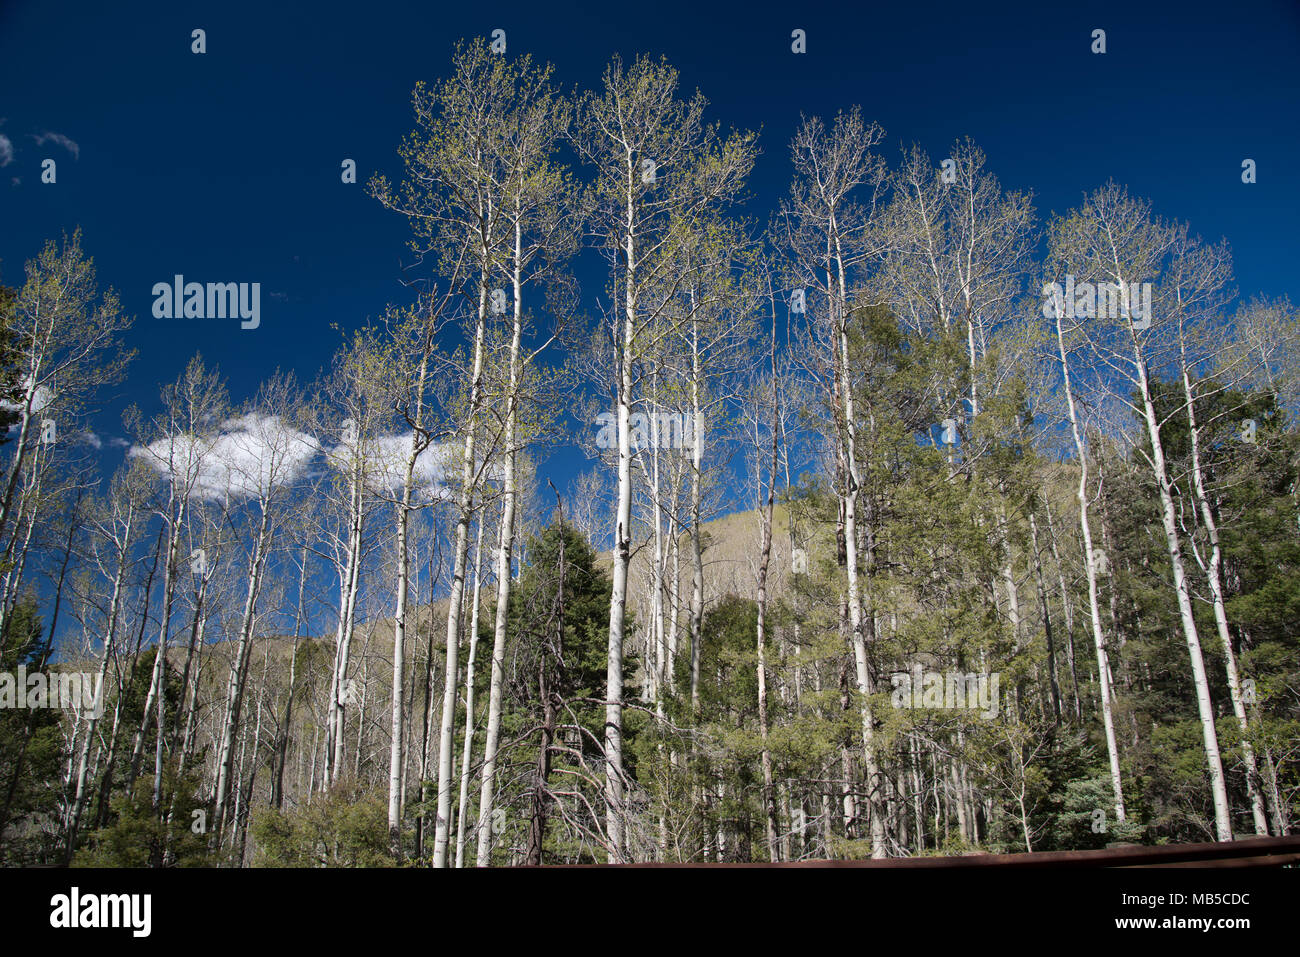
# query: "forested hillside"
914 520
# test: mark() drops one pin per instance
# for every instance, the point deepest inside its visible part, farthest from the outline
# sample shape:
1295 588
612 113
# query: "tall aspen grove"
695 483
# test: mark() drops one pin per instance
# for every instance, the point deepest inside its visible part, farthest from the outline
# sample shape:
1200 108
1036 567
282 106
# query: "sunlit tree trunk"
1090 566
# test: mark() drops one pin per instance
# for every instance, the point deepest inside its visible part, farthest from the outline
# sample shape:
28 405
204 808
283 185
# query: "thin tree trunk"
765 555
850 502
614 829
1046 613
397 740
336 720
1214 576
468 751
496 689
1204 707
282 743
239 668
1090 564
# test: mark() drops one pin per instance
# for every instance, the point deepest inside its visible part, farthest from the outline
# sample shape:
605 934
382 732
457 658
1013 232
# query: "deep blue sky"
225 166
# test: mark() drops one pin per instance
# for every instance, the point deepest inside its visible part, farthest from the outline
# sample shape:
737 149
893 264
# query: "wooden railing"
1247 852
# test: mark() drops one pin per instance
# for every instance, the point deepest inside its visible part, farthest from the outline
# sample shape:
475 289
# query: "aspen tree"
267 455
829 239
67 337
1114 239
118 526
186 433
765 557
352 409
1089 559
453 199
658 167
1198 277
541 235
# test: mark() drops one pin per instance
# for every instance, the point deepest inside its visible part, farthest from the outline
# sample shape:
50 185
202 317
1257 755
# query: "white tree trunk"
92 721
455 602
349 582
850 503
1204 707
614 824
239 669
468 752
1090 565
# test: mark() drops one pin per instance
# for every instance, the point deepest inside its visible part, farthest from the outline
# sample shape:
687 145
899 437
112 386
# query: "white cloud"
64 141
40 401
387 456
254 453
6 150
249 456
